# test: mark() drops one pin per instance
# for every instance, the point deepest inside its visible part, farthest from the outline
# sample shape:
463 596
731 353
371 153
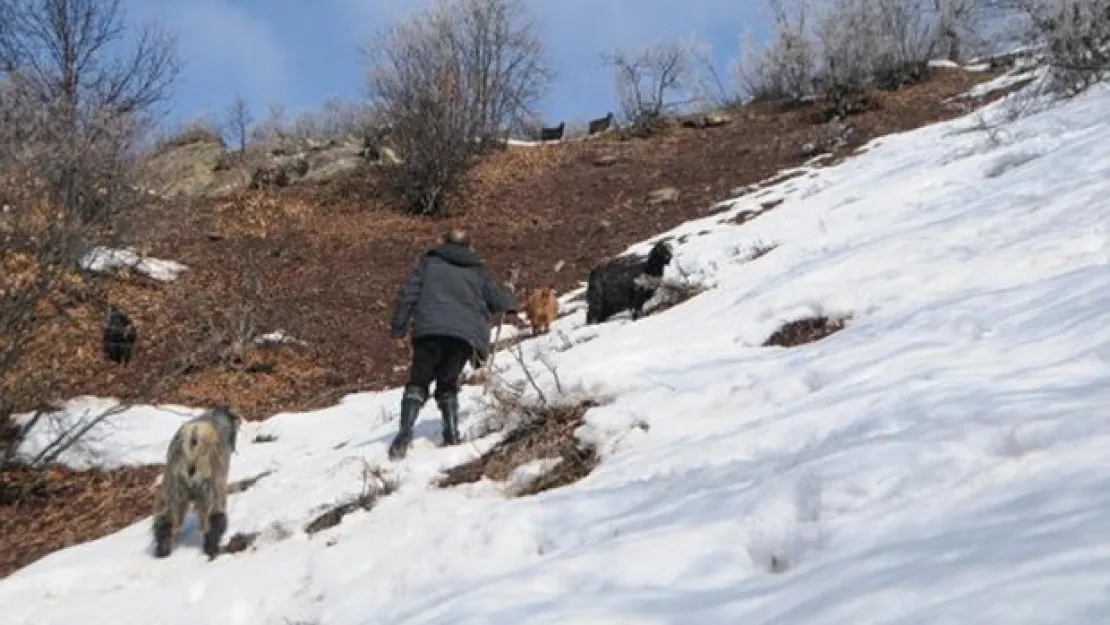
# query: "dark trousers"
439 358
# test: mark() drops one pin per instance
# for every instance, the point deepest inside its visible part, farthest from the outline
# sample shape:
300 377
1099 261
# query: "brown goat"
542 309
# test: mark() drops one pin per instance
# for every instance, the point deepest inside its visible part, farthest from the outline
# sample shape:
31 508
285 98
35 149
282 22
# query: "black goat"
601 124
624 283
552 134
119 337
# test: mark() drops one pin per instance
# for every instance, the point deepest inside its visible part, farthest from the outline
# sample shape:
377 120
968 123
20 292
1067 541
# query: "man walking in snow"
450 298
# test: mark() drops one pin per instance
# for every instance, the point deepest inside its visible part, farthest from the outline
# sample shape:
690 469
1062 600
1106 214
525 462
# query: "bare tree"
450 81
239 120
273 129
647 78
785 70
75 94
66 52
842 49
861 40
957 27
709 86
68 60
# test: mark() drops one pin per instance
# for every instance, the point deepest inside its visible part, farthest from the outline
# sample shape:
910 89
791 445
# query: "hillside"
328 255
937 460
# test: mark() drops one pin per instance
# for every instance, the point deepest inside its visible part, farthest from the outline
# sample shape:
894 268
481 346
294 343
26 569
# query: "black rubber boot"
449 408
411 403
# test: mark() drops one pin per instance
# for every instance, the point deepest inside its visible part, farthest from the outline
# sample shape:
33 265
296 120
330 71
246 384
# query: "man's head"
458 236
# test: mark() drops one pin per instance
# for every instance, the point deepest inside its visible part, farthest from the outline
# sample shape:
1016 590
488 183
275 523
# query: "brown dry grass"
548 433
672 292
376 484
70 508
803 331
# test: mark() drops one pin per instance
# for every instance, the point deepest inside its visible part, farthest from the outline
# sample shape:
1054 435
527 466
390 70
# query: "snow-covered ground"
941 460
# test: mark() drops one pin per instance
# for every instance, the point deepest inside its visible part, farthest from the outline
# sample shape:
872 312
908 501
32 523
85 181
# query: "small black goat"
602 124
625 282
119 337
552 134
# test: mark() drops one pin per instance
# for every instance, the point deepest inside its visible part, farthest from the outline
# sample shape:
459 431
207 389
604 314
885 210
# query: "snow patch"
104 260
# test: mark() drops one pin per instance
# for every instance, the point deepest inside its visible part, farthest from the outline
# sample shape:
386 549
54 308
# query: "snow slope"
941 460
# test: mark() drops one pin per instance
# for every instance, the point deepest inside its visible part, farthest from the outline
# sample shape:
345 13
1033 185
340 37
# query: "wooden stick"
514 273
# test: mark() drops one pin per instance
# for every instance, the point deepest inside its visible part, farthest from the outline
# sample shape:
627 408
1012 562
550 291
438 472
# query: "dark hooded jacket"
451 293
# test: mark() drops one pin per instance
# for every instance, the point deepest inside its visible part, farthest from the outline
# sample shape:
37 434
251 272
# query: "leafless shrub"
959 28
541 428
1027 97
546 444
709 86
760 249
336 120
1075 35
450 81
995 132
375 485
274 129
842 49
785 70
530 129
42 238
861 39
647 80
674 291
508 405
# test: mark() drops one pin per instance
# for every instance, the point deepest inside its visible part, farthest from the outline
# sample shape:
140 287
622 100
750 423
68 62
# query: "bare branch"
786 69
239 120
1075 35
844 48
66 52
648 80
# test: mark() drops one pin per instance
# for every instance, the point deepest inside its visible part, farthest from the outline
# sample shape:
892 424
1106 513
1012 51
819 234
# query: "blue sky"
300 52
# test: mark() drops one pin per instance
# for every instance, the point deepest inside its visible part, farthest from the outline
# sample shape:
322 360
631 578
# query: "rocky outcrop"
183 170
204 167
